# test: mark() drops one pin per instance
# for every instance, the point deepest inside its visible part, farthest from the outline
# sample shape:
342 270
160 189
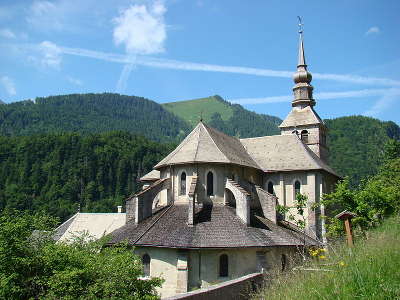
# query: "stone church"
207 212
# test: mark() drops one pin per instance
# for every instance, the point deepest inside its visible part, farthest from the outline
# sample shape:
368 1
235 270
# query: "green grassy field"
370 270
191 110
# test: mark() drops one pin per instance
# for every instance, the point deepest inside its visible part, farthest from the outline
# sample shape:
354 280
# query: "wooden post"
346 216
349 234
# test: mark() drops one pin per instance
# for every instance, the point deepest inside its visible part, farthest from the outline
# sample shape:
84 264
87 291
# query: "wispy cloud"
384 102
46 55
142 30
322 96
8 85
74 81
192 66
373 30
7 33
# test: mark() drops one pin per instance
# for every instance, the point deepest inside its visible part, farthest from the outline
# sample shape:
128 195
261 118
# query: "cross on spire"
300 25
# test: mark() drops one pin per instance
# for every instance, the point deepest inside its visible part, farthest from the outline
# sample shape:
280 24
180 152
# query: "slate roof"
151 176
298 117
95 224
283 153
216 227
205 144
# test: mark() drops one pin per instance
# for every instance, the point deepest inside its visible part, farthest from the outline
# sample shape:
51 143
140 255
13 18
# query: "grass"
370 270
191 110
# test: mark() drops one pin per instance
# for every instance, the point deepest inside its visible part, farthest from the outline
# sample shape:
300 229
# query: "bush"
33 265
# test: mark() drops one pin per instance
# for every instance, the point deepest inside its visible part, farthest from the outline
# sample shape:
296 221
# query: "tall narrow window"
297 186
183 184
210 184
304 136
271 188
146 265
223 266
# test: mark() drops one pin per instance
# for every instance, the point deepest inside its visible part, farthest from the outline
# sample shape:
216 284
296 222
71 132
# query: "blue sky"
171 50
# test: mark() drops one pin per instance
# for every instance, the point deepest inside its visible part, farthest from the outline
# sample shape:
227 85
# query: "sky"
173 50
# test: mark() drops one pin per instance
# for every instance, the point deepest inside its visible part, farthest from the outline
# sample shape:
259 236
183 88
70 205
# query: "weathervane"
300 25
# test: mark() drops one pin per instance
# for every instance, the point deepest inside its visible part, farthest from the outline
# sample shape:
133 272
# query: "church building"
207 212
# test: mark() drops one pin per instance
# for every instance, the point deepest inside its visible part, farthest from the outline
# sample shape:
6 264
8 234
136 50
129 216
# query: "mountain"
91 113
356 142
2 102
232 119
356 145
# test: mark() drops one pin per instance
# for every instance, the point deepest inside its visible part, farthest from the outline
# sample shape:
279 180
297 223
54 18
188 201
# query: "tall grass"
369 270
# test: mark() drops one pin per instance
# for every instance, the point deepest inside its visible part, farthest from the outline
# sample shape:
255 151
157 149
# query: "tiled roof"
216 227
205 144
95 224
283 153
298 117
151 176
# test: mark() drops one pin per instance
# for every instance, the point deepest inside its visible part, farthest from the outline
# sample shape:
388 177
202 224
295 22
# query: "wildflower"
322 257
342 264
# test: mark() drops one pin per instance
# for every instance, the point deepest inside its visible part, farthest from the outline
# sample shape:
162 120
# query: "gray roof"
283 153
298 117
95 224
151 176
205 144
216 227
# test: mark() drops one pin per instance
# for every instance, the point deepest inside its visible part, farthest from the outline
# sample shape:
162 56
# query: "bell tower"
303 119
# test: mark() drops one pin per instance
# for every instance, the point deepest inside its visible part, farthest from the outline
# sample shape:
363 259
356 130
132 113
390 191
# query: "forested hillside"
232 119
356 145
91 113
56 172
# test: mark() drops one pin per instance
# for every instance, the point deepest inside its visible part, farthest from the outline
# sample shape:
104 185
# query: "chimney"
119 207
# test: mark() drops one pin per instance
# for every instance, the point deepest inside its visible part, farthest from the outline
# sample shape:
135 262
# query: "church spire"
303 89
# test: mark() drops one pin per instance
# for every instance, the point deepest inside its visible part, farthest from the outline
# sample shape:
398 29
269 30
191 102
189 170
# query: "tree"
33 265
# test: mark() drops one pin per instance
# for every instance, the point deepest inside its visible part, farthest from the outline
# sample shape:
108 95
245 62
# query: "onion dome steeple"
303 89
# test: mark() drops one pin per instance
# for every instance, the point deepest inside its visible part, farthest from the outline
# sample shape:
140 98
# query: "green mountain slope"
232 119
356 145
91 113
56 172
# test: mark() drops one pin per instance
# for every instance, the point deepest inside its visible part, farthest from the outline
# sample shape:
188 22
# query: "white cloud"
373 30
7 33
51 55
75 81
141 29
8 85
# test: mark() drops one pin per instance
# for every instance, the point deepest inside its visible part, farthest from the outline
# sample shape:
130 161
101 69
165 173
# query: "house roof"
283 153
151 176
299 117
205 144
216 227
95 224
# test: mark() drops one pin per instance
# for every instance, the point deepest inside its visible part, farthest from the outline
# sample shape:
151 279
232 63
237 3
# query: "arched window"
271 188
210 184
146 265
297 187
223 266
283 262
304 136
182 190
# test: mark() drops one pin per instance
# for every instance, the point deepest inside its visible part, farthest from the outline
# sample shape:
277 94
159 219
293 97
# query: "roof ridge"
176 150
198 143
210 135
306 148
